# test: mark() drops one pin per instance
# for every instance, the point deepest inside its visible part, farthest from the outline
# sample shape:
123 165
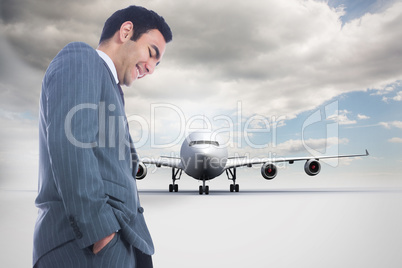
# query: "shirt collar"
109 63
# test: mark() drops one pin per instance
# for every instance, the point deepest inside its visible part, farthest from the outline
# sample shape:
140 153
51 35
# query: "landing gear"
173 187
231 173
176 174
234 188
203 188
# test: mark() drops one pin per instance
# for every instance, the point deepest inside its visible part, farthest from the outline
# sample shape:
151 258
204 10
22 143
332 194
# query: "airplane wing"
234 162
167 161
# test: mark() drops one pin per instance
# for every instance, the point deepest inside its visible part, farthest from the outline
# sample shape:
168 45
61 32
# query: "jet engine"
312 167
268 171
141 172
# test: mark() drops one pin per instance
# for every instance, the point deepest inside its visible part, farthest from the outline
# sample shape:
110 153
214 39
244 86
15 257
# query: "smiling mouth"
138 72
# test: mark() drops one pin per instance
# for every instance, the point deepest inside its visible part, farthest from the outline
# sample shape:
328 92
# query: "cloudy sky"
277 78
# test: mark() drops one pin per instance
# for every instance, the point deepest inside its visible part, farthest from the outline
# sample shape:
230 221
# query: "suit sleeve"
73 96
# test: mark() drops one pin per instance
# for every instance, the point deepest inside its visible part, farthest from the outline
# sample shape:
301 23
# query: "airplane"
204 159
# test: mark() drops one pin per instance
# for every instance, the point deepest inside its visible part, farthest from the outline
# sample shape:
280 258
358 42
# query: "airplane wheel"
170 187
200 190
237 188
176 188
231 188
207 189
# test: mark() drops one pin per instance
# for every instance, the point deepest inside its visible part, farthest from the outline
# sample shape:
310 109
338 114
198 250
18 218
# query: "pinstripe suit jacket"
86 185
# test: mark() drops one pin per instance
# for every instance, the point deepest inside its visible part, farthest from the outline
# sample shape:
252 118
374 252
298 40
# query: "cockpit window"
204 142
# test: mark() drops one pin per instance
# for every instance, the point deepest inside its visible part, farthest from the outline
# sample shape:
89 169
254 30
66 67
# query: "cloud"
282 65
398 96
397 124
18 151
341 117
290 147
344 120
298 146
38 30
395 140
386 89
277 57
362 117
20 84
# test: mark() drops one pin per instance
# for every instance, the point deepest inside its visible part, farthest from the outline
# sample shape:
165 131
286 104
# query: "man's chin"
129 83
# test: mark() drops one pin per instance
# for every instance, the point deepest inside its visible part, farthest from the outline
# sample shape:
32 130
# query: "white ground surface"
258 227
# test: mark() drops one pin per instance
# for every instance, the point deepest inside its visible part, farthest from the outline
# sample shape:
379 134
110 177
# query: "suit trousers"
117 253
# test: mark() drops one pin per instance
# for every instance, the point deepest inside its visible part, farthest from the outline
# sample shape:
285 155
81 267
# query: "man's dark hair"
143 20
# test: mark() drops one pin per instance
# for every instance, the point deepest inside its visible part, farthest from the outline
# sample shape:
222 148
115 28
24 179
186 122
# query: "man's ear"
126 31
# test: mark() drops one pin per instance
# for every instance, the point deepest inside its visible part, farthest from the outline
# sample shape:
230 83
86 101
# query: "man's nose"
150 68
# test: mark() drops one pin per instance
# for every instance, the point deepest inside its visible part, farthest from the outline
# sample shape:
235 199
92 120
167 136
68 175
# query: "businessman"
89 211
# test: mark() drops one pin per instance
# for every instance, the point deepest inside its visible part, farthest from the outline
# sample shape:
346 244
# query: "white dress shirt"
109 63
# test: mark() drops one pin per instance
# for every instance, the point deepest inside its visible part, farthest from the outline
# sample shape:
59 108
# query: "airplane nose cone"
203 156
209 165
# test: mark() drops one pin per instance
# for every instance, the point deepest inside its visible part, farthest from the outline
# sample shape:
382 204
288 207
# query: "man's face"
139 58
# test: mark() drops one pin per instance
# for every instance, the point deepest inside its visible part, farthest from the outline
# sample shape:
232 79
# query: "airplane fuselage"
203 158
